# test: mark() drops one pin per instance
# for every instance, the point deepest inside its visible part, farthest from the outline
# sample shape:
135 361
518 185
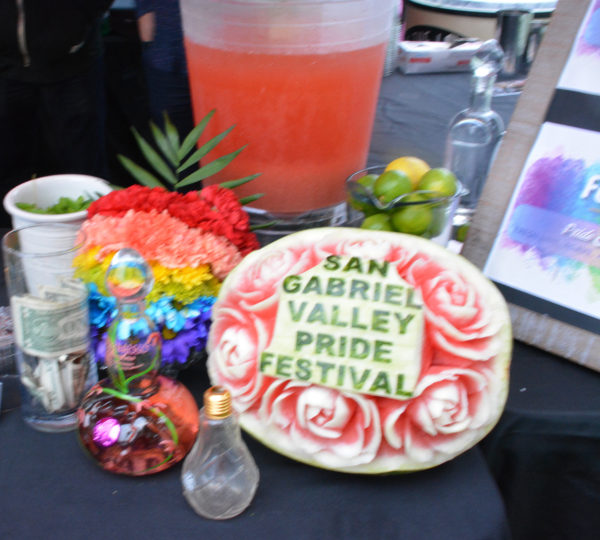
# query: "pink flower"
161 238
451 409
335 429
369 248
214 209
235 341
460 320
257 288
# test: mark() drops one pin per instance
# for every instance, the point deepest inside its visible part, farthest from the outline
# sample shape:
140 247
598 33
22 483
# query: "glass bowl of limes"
405 196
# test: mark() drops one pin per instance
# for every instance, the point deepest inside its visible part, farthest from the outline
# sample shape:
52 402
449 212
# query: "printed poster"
582 70
549 242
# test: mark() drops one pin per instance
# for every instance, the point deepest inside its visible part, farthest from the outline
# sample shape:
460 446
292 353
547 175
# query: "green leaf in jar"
65 205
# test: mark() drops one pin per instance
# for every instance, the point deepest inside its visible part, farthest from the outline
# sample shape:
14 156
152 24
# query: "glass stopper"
129 278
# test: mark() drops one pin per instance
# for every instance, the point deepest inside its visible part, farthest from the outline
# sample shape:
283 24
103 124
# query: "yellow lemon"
413 166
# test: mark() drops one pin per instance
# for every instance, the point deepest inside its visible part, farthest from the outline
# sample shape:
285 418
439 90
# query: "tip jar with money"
136 422
50 320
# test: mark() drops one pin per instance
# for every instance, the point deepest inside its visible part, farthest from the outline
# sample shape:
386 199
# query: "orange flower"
162 238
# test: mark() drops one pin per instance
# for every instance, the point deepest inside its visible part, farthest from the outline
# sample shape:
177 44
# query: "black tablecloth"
50 489
545 451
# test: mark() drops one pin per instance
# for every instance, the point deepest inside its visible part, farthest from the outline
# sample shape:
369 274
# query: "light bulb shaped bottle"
219 476
476 132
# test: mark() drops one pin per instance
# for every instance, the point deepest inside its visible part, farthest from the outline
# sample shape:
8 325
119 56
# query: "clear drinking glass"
50 324
8 368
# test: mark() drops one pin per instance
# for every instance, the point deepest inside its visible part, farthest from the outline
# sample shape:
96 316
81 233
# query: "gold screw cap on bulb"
217 403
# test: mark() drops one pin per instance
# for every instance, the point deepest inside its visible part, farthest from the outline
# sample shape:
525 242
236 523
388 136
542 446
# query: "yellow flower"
183 284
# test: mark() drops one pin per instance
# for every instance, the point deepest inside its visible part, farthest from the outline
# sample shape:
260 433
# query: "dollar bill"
50 384
50 327
59 294
74 284
57 383
74 370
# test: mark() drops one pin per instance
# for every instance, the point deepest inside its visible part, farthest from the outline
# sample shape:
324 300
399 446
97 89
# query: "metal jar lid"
217 403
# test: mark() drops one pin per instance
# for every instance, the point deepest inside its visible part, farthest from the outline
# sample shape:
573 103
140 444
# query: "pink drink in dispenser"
300 81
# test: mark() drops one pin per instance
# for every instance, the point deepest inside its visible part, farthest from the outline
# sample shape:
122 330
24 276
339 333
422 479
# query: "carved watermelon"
362 351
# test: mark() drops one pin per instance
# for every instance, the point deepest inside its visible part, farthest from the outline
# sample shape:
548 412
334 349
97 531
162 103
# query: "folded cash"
50 327
57 383
74 283
60 294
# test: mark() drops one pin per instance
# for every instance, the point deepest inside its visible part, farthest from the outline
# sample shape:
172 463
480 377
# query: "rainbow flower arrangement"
190 240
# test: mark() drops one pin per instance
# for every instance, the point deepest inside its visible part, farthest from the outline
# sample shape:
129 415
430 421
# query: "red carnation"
214 209
139 198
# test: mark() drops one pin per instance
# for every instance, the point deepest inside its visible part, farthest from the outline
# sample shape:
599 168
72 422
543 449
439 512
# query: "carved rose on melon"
449 405
374 248
459 318
258 288
235 341
331 427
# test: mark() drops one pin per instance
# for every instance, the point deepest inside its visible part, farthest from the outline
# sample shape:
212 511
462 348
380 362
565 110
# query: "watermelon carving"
362 351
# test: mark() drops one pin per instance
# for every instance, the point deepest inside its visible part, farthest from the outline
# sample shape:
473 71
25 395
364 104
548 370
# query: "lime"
368 180
439 219
461 233
377 222
391 184
439 180
413 166
412 219
357 201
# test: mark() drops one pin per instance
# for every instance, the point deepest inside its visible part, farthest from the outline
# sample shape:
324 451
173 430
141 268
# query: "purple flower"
192 323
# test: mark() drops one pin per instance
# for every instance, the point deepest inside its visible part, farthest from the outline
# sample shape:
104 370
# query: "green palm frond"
170 157
139 173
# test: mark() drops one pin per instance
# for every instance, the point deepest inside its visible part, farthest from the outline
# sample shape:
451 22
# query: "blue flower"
164 313
103 309
190 324
138 328
177 350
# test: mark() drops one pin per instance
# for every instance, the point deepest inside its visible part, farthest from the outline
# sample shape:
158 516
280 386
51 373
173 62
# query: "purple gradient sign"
549 242
552 233
582 71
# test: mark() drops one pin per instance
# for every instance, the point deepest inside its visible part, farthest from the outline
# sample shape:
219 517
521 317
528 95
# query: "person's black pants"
51 129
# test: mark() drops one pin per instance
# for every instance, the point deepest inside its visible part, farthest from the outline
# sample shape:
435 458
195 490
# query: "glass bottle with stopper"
476 132
219 475
136 422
